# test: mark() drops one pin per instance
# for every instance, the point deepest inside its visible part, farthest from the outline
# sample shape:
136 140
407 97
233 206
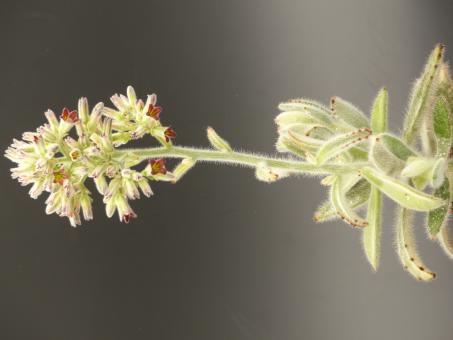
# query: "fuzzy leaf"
295 136
406 247
400 192
438 218
356 197
348 113
437 175
372 233
341 204
416 166
445 240
383 158
396 146
284 144
340 143
313 108
442 127
182 168
419 101
379 112
295 117
217 142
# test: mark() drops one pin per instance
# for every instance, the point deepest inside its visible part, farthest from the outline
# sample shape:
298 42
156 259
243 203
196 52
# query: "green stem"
237 158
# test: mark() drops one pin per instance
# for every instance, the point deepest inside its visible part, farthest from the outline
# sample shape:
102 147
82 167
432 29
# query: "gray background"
219 255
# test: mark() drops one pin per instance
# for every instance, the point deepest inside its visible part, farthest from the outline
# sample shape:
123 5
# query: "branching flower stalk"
356 156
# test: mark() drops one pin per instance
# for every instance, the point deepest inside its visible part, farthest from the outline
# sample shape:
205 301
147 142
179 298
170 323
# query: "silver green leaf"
446 240
295 117
218 142
372 233
340 202
347 112
379 112
340 143
437 218
400 192
406 247
389 154
442 127
419 99
316 110
356 197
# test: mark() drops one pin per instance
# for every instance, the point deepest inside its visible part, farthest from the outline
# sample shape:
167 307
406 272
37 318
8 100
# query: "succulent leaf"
379 112
341 203
419 100
316 110
349 113
407 249
372 233
438 218
356 197
218 142
341 143
400 192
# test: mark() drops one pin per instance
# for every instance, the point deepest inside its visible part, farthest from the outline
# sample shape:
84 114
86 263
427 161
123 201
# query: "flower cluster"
57 160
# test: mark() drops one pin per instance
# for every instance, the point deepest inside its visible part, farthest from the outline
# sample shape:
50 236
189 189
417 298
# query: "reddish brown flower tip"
59 176
128 217
169 134
158 166
69 116
154 111
36 138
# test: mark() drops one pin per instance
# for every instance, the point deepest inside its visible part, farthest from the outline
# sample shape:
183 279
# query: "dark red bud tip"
36 138
69 116
169 134
158 166
154 111
128 217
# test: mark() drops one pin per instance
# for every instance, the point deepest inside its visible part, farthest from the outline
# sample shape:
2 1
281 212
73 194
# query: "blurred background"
219 255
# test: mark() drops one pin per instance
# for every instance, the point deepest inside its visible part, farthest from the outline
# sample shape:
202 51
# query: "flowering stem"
238 158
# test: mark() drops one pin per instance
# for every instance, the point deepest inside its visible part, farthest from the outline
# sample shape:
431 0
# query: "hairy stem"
238 158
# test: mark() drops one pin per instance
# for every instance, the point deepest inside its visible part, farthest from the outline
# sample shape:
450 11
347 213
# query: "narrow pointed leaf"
356 197
438 218
284 144
400 192
342 206
406 247
437 174
384 159
295 135
182 168
295 117
419 101
313 108
396 146
417 166
446 240
338 144
218 142
379 112
442 127
372 233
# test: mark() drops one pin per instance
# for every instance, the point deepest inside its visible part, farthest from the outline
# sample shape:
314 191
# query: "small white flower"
58 161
